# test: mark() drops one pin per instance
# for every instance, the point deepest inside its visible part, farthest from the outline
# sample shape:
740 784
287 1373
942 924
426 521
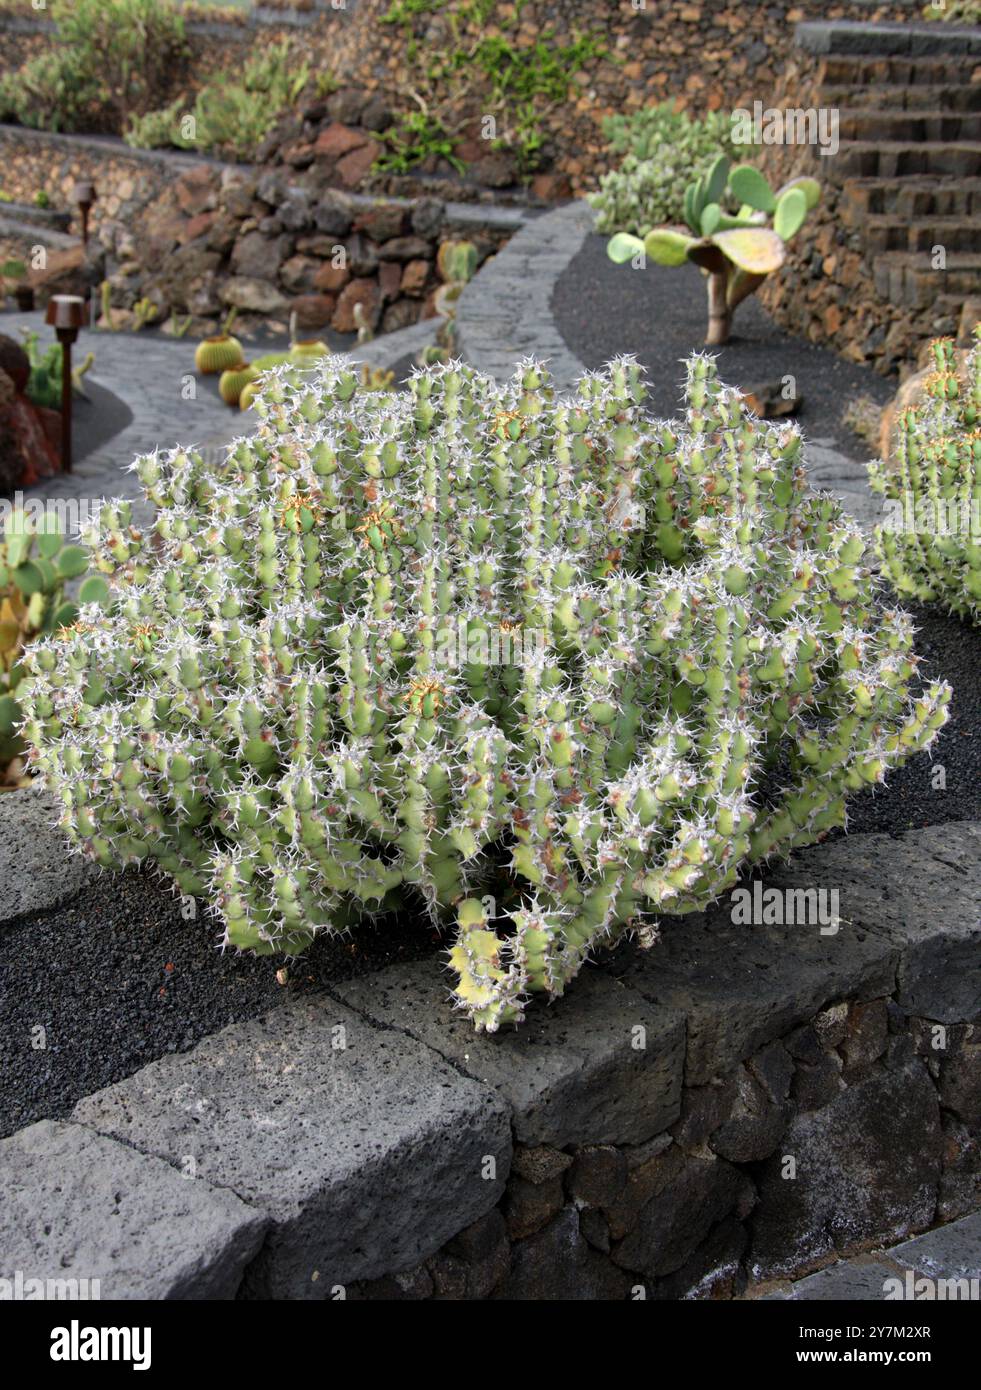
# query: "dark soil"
118 978
658 315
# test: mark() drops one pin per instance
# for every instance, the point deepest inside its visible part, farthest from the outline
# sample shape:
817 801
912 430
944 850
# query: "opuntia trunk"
720 315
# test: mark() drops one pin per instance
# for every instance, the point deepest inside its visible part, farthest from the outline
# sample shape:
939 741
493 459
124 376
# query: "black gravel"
118 978
658 314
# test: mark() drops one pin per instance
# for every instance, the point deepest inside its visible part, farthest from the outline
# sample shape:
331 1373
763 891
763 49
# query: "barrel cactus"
930 542
542 664
233 382
222 353
735 250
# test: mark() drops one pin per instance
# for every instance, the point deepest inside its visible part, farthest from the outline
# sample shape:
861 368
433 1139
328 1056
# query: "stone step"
889 40
965 96
859 71
889 232
912 197
885 159
917 126
908 280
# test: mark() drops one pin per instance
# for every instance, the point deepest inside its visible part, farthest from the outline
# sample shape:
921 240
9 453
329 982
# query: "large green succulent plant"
549 664
930 544
735 250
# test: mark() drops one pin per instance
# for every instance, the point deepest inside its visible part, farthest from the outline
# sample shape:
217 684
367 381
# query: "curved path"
505 313
153 377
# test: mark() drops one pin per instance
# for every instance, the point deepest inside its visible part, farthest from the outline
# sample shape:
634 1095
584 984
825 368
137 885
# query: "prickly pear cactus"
930 542
35 565
547 665
736 250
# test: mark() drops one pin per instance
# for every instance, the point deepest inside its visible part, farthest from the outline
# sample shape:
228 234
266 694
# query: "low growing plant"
112 59
232 114
547 665
735 251
954 11
930 543
663 150
418 135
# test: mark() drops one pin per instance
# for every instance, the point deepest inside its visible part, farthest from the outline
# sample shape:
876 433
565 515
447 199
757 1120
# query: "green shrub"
112 60
417 136
230 114
663 151
469 639
930 544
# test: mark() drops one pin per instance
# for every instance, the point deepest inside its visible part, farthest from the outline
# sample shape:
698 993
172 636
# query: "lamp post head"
84 195
67 311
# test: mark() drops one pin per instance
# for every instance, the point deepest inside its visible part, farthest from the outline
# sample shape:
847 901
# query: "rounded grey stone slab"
364 1148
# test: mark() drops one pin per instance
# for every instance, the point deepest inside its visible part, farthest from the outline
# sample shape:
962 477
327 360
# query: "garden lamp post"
84 195
67 313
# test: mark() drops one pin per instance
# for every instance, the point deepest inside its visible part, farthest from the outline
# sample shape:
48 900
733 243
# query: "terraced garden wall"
706 53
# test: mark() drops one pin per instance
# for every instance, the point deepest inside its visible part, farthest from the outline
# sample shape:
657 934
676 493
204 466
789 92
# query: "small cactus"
233 382
307 352
472 639
376 378
221 352
456 262
930 543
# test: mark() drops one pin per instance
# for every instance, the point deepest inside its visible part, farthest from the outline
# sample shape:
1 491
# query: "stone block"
364 1148
77 1205
866 1167
575 1074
